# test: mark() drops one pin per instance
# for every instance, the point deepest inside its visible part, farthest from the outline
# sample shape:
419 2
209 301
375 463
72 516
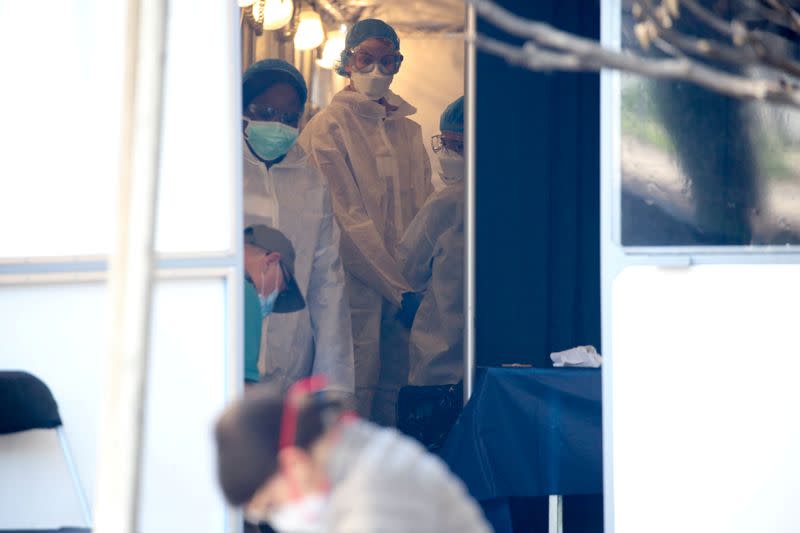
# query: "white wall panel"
201 145
186 392
60 136
704 399
57 332
59 139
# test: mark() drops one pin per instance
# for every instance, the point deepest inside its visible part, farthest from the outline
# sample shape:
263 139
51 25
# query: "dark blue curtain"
537 198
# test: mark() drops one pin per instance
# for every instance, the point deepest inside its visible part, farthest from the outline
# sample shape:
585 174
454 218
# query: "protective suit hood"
367 108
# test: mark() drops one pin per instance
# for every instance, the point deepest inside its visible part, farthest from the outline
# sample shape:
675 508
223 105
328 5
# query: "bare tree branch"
534 58
759 51
715 22
710 49
551 49
791 15
779 14
764 51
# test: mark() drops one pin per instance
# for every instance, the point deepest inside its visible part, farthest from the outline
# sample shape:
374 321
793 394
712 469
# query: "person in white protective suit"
431 256
283 190
302 463
379 173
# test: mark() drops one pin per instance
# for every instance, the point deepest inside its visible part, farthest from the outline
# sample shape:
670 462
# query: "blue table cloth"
528 432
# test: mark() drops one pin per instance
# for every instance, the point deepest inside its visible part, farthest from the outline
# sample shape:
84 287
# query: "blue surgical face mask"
268 303
270 140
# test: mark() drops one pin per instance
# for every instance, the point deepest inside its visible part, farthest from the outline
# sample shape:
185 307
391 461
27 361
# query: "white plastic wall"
62 77
57 332
704 399
701 358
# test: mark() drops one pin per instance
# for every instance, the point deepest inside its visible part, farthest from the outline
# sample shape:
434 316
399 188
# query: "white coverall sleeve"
433 503
329 308
363 250
415 251
424 188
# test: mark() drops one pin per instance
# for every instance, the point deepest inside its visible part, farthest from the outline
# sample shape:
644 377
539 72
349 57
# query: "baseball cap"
271 240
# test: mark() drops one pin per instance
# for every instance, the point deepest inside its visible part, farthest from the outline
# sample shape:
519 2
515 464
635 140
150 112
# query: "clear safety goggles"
439 143
364 62
271 114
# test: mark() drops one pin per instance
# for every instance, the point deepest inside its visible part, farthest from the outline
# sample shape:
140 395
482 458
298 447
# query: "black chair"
429 413
62 530
26 403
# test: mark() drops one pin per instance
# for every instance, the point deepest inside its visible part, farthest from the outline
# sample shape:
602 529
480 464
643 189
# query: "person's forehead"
279 95
376 46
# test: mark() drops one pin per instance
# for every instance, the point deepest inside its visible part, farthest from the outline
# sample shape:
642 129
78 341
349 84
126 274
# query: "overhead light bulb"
310 32
332 52
246 3
277 14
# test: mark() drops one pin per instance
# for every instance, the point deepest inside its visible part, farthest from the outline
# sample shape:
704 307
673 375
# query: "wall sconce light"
310 33
334 46
267 14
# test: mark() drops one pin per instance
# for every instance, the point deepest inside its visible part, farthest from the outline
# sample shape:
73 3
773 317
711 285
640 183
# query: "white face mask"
374 85
306 515
451 166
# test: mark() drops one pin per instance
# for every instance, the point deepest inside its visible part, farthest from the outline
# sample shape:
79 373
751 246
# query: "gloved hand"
410 305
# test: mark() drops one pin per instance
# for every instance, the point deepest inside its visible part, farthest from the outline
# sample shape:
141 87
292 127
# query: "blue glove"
410 306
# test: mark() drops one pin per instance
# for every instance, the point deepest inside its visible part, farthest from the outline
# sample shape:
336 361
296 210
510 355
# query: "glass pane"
705 392
59 133
187 387
702 169
58 332
201 150
60 128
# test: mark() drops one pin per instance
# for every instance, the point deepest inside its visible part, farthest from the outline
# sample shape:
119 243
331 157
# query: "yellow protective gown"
379 177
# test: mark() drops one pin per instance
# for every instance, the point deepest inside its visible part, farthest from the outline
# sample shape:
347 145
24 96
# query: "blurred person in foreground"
303 462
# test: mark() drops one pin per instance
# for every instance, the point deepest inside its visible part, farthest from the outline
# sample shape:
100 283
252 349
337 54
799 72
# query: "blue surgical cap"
453 117
371 29
261 75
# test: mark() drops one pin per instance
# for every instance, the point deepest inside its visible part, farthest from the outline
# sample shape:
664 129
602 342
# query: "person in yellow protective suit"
378 174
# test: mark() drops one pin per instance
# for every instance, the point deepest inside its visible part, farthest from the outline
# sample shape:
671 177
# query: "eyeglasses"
364 62
271 114
439 143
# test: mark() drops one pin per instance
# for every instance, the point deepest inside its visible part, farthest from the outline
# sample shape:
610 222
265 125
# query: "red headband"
291 407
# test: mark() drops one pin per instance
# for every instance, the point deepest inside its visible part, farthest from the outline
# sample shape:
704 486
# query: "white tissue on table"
582 356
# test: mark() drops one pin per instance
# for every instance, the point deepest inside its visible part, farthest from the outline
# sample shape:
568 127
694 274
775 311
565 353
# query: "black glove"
410 305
